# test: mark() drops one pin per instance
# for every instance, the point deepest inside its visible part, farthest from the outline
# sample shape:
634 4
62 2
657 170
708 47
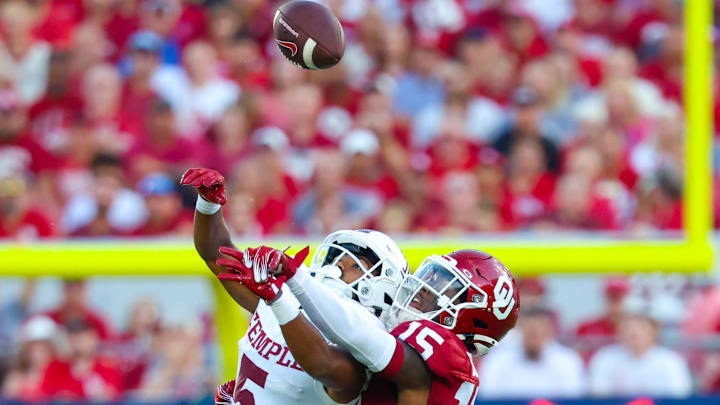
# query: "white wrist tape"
296 282
204 206
286 307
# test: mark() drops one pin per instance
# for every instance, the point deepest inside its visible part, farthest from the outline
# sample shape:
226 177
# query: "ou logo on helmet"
504 301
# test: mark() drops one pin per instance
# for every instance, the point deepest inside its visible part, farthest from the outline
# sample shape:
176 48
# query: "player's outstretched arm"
210 232
342 375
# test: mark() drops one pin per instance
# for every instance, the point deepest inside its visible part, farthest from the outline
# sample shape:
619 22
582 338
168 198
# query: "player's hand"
265 260
209 183
224 393
268 290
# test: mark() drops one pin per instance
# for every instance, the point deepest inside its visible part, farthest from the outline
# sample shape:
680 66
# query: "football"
308 34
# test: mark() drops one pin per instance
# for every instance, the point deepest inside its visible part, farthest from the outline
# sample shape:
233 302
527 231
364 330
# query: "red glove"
224 393
268 290
210 184
265 260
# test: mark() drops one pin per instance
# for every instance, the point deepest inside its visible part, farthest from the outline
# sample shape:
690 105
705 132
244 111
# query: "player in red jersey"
453 307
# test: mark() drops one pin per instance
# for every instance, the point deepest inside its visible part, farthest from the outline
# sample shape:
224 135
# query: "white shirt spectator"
196 107
28 74
550 14
509 373
484 120
126 212
614 371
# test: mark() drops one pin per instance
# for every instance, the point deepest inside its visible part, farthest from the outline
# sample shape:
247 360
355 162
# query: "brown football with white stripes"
308 34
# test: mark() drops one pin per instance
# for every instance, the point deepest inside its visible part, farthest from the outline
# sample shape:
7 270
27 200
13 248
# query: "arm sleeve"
343 322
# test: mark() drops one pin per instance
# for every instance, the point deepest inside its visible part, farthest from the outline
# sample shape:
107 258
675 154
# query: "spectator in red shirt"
136 342
660 202
37 350
584 199
649 19
73 309
57 20
528 193
21 217
122 23
464 212
595 18
245 63
573 207
144 58
20 155
364 168
522 34
600 331
265 176
490 175
114 130
667 70
613 148
256 17
53 116
302 103
229 139
162 149
526 125
90 47
166 215
224 25
491 67
86 375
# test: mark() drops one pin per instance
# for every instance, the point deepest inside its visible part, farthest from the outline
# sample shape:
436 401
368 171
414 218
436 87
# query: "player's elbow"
325 370
207 251
318 369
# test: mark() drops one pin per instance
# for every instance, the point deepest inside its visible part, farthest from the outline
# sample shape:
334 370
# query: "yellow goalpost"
691 253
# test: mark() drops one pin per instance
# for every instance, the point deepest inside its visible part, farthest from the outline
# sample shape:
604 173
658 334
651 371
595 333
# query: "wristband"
296 282
285 307
204 206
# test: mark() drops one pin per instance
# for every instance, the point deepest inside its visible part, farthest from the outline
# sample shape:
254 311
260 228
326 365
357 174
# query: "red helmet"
467 291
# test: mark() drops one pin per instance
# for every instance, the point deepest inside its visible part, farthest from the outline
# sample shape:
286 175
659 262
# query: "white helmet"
376 288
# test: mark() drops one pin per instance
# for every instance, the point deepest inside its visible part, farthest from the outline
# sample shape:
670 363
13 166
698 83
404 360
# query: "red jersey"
454 379
103 380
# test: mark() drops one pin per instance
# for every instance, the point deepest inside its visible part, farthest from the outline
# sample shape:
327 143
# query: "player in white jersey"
267 371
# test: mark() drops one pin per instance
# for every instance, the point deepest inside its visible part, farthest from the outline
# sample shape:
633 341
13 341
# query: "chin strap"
478 345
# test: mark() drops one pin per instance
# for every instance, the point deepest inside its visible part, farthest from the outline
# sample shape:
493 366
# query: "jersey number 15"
466 393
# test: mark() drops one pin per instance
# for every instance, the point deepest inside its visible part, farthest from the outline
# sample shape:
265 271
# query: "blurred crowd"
72 354
655 338
444 116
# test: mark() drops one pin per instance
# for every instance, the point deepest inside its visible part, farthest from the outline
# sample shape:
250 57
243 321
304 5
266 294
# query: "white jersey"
268 373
